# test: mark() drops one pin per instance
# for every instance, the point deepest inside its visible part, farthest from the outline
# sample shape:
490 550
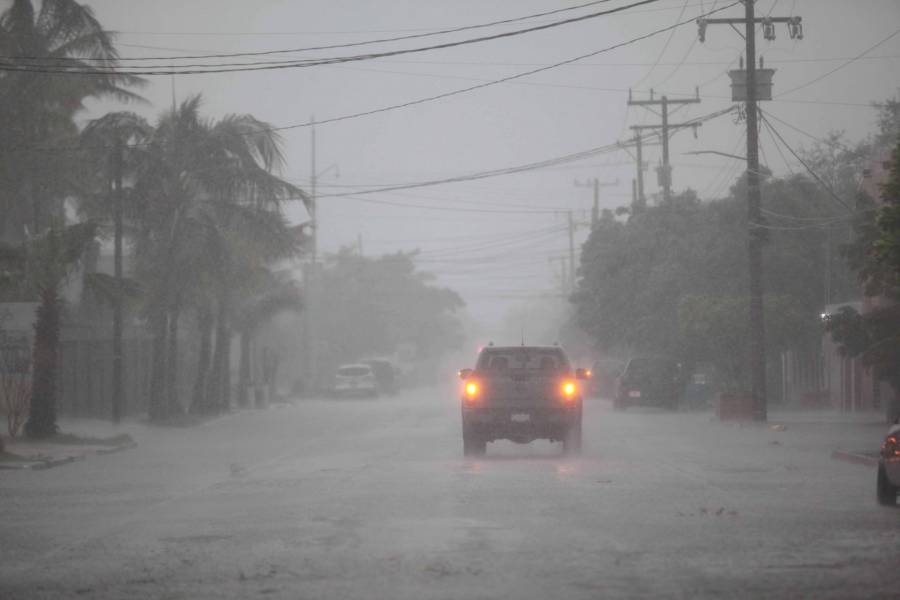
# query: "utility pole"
312 192
118 387
755 242
311 276
596 184
641 200
665 174
563 284
571 252
757 345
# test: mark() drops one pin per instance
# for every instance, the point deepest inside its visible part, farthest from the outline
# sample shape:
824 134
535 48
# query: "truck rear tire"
473 446
572 440
887 493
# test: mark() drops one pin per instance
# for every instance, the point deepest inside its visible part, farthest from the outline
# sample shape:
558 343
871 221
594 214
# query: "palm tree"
107 144
276 296
38 108
43 263
211 207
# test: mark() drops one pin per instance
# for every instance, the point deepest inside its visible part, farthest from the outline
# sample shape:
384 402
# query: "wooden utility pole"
640 200
118 371
665 175
571 253
596 184
757 342
309 321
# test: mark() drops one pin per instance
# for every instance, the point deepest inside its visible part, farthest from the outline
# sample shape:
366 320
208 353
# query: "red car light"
472 391
568 390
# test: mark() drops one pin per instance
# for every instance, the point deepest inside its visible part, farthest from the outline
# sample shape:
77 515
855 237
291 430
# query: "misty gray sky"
495 259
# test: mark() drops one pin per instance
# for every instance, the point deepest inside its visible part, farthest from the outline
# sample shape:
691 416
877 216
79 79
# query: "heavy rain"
429 299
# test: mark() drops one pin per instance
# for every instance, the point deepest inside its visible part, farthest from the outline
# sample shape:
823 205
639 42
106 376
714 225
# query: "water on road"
373 499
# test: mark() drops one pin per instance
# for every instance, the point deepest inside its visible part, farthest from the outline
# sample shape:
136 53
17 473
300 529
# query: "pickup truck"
521 393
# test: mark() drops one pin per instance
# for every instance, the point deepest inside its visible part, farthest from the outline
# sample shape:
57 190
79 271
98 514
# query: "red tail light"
891 447
472 391
568 390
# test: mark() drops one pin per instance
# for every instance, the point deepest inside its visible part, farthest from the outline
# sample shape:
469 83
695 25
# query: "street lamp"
719 153
310 279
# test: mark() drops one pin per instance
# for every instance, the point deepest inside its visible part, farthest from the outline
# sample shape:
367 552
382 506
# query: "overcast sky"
494 240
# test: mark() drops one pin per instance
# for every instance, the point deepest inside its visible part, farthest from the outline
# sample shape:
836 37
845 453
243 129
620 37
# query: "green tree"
41 265
276 296
875 255
641 278
110 155
209 211
39 108
377 304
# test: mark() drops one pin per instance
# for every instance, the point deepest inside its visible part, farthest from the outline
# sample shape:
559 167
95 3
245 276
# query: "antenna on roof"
523 334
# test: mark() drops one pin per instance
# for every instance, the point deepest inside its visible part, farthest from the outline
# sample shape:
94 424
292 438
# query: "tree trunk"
173 405
157 405
199 405
219 380
244 371
42 418
118 390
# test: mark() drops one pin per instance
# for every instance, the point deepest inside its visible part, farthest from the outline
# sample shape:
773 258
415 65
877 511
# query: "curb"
114 449
855 458
39 465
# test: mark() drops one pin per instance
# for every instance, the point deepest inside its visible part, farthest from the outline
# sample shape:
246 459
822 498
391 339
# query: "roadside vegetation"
671 278
195 202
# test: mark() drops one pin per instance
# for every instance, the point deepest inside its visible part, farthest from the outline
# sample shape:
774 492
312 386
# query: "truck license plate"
520 418
634 394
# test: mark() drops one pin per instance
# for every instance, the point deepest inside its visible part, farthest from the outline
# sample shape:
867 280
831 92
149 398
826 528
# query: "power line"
815 176
181 70
328 47
429 98
317 32
839 67
614 147
806 133
445 208
664 48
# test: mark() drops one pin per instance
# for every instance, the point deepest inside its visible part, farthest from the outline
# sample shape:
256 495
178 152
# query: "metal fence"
84 377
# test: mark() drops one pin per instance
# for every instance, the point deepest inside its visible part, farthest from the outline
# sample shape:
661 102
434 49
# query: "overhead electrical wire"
806 133
429 33
305 63
445 94
839 67
664 48
320 32
614 147
809 169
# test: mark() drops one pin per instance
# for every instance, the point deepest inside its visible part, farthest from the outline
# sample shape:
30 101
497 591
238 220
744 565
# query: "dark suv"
521 393
649 381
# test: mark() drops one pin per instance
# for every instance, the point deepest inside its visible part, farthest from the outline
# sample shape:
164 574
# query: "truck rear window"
523 359
354 371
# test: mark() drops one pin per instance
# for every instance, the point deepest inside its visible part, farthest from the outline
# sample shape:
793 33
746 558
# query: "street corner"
868 459
59 450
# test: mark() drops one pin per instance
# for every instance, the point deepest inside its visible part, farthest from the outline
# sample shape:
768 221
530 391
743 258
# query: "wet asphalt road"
372 499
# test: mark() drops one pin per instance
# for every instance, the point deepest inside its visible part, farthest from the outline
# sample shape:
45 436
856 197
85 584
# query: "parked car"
649 381
355 380
521 393
888 479
603 377
385 374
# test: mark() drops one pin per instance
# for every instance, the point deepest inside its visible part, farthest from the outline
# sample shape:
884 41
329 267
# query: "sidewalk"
79 439
853 437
